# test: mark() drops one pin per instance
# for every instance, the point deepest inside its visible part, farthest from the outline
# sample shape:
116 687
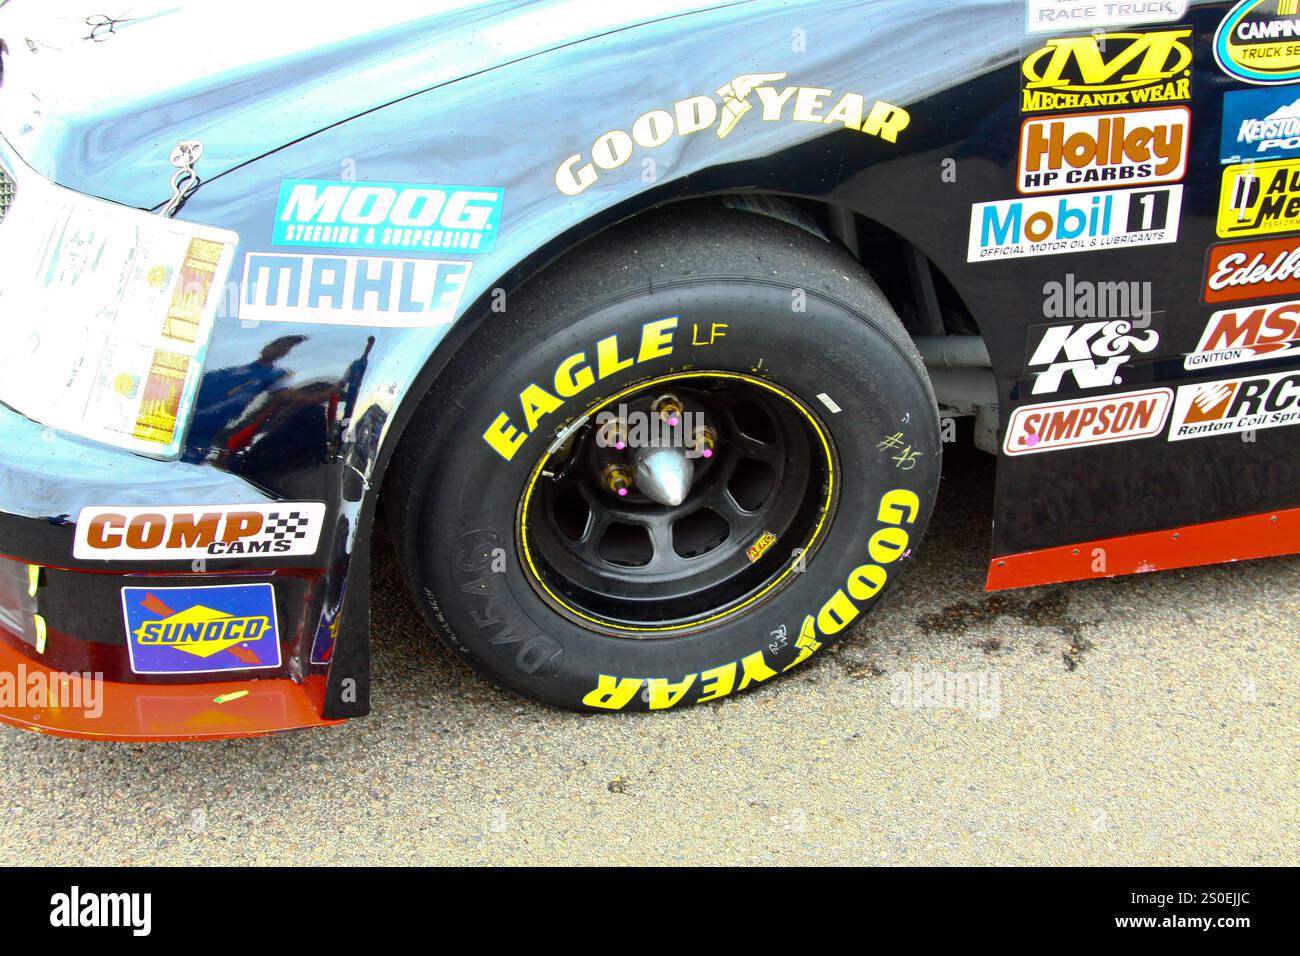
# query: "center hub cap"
663 474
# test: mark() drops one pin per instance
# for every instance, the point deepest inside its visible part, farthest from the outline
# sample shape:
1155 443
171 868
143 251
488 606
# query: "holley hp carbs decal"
1087 150
201 531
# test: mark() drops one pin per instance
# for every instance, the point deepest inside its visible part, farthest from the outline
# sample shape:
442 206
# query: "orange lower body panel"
1265 535
151 712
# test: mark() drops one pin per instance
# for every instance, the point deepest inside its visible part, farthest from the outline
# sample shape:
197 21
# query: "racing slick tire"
539 531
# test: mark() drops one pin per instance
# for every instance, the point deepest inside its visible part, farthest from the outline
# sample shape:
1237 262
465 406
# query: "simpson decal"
1259 198
1259 41
1248 333
1082 222
1236 405
1087 421
340 215
1252 270
207 531
735 99
1086 150
1260 125
1057 16
1108 70
201 630
352 290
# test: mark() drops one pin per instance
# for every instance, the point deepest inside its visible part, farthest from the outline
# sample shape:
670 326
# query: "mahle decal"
801 104
1108 69
1259 41
1258 198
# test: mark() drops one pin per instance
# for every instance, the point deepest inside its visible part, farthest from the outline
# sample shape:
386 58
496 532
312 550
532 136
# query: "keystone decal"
1090 352
1237 405
1086 150
1259 198
1056 16
1252 270
1259 41
801 104
352 290
1260 125
342 215
1248 334
1108 70
107 533
1087 421
201 630
1085 222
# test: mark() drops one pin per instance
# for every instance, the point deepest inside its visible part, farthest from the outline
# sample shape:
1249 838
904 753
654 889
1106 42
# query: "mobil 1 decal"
1089 150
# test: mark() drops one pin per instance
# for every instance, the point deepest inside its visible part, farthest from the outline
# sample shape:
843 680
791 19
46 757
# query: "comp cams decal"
201 630
1053 16
1259 41
1260 125
206 531
343 215
1257 198
887 545
1081 222
1252 270
1087 421
1236 405
1108 70
1248 334
1086 354
801 104
352 290
1087 150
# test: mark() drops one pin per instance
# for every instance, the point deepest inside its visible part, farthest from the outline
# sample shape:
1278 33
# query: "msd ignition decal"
352 290
1090 353
1252 270
1259 198
1107 70
210 531
1086 150
802 104
1248 334
898 508
1087 421
1083 222
1259 41
340 215
203 630
1237 405
1052 16
1260 125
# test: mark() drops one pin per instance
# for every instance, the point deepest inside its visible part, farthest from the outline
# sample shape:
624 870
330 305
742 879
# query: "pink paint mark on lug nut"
620 445
707 453
674 421
622 492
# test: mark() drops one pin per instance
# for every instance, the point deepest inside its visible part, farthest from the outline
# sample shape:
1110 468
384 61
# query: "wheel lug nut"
613 434
669 408
617 479
704 441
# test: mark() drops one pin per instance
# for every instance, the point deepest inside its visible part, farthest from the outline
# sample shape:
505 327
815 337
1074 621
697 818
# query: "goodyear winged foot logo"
201 629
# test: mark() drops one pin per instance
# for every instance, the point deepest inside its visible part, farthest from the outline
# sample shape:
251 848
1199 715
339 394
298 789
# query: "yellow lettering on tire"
569 383
612 693
888 545
664 695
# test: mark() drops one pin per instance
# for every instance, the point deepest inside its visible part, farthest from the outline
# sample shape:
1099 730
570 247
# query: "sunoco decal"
1252 270
1085 222
340 215
205 531
801 104
1087 150
1259 41
1259 198
352 290
1087 421
201 630
1260 125
1108 70
1237 405
1248 333
1056 16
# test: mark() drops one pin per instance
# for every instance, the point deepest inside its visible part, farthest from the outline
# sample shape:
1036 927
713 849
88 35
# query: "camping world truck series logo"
206 531
1106 70
201 630
1259 41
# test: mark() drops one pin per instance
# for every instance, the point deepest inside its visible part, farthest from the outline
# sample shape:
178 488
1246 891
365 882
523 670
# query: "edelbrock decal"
352 290
1260 125
1087 421
1108 70
1087 150
343 215
1252 270
1055 16
201 630
1076 222
168 533
1259 41
1248 333
1236 405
